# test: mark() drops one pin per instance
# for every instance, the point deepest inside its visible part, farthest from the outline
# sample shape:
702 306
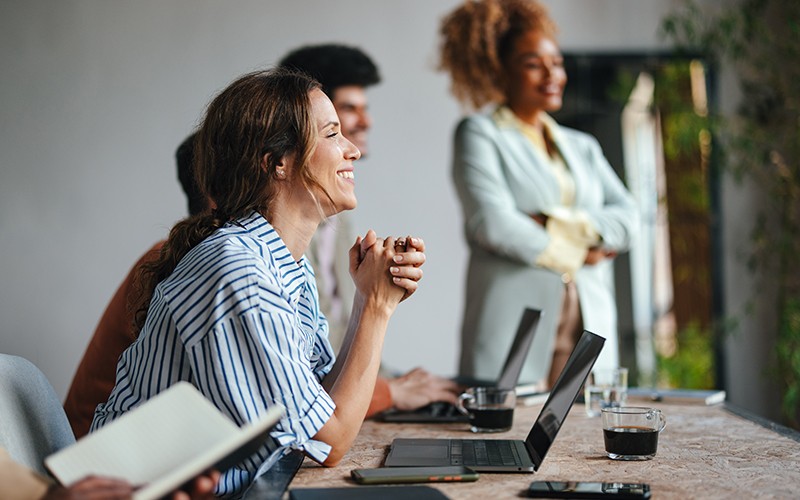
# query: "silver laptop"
507 455
509 376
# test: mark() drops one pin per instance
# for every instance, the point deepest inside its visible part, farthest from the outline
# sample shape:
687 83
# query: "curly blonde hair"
476 39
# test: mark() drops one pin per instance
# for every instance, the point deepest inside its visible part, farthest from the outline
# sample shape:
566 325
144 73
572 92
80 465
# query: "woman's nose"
352 152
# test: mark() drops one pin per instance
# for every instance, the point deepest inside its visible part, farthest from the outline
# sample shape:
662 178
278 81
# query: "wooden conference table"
704 452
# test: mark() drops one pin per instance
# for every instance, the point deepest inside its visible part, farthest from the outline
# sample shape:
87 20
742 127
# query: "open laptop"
509 376
505 455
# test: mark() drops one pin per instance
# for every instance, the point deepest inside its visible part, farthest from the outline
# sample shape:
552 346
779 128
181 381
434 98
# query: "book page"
177 427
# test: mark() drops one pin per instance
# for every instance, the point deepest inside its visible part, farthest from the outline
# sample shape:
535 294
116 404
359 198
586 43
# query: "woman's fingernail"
394 270
398 258
396 279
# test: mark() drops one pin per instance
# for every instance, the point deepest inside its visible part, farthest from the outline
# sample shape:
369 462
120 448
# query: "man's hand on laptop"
418 388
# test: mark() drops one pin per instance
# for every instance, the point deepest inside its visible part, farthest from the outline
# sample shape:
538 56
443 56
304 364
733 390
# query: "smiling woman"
544 212
231 305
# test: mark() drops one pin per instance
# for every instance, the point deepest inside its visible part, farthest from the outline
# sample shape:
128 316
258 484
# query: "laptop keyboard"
442 409
494 452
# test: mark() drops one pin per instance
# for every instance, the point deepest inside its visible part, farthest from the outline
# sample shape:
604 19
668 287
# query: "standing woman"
232 305
544 213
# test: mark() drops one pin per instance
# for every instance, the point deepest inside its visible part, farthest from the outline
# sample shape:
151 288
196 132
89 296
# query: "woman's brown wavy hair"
265 114
476 39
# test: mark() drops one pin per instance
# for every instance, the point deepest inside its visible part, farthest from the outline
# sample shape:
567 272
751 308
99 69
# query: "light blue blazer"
501 179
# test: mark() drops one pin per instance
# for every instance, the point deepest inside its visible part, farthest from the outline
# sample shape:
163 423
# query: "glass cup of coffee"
490 409
631 432
604 388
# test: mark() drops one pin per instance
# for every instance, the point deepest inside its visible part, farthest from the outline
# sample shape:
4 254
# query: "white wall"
95 95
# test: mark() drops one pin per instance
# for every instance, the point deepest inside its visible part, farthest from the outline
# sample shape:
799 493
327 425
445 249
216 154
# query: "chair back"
32 421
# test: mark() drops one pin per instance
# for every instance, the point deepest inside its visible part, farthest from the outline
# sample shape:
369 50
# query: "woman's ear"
281 167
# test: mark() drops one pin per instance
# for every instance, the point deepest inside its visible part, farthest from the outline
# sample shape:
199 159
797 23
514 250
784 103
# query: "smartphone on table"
581 489
397 475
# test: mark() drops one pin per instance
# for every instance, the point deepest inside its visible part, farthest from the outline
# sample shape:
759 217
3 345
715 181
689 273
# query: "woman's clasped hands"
388 268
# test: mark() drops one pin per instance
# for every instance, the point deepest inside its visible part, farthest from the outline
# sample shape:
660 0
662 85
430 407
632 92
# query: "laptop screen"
519 349
563 395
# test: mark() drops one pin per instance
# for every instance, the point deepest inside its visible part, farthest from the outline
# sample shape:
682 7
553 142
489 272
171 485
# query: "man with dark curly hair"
345 74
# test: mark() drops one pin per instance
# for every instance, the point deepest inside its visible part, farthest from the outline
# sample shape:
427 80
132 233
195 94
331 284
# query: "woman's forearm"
352 381
352 326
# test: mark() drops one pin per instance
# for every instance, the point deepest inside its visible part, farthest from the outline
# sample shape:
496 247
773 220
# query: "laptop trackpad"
419 452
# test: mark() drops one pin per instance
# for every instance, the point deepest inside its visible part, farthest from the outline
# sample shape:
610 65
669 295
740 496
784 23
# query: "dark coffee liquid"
631 440
491 418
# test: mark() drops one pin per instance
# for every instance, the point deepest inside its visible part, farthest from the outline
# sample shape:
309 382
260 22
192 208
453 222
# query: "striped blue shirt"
239 318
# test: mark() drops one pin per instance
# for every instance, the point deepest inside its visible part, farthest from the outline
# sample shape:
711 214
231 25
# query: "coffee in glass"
490 409
631 433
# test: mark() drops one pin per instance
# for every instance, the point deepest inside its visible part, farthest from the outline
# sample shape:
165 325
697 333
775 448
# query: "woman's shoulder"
478 119
225 267
481 124
225 254
229 242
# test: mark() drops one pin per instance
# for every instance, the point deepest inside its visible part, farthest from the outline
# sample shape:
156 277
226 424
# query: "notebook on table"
676 396
505 455
509 376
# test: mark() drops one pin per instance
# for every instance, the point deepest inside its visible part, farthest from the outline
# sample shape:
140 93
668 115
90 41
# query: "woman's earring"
280 173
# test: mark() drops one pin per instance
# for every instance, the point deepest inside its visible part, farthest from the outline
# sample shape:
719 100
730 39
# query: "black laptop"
509 376
505 455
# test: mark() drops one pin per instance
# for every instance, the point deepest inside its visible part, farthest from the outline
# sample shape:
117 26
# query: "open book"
163 443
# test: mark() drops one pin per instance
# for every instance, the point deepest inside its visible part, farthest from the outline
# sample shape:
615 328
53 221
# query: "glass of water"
605 388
